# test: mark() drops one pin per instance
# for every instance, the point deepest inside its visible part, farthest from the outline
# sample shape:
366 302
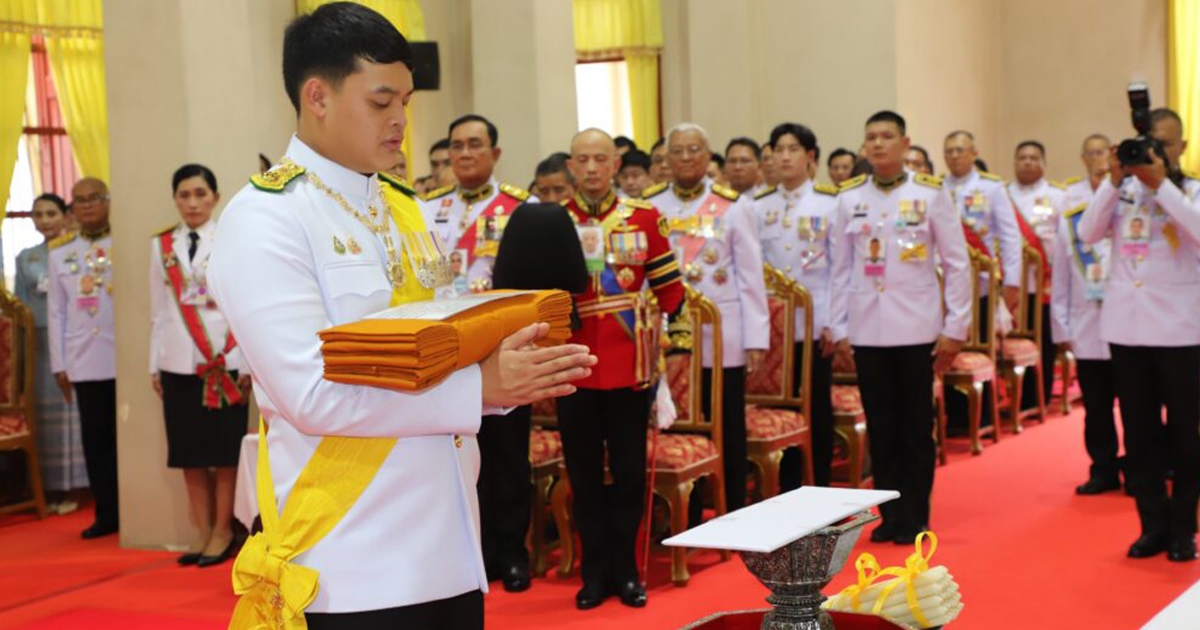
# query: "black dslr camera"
1136 151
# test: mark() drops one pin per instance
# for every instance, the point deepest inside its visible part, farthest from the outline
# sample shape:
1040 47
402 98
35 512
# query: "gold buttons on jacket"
458 441
1137 283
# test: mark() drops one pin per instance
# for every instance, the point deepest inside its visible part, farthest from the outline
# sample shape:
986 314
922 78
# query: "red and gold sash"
1031 239
501 204
219 388
712 208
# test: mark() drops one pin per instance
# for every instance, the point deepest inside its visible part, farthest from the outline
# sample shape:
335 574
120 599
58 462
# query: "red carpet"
1026 551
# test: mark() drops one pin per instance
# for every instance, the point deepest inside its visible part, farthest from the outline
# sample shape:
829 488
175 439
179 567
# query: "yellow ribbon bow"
870 572
272 588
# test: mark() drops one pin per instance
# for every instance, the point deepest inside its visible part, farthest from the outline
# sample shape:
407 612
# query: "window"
45 162
602 94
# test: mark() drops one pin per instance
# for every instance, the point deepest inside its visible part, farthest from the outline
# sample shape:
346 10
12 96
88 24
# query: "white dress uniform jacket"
891 297
171 346
728 271
413 535
1041 203
795 229
79 309
1078 191
1075 302
1153 294
983 204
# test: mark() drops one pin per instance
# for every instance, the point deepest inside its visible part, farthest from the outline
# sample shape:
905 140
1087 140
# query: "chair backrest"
16 358
985 283
1032 269
773 384
685 371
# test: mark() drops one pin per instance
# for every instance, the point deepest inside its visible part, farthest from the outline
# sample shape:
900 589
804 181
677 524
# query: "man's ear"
314 96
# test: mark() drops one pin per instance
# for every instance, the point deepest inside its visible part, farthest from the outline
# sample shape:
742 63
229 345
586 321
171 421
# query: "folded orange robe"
414 354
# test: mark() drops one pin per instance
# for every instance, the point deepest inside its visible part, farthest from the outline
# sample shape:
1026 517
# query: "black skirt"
198 437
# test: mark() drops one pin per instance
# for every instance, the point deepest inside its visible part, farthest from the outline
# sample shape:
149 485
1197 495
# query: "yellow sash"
274 592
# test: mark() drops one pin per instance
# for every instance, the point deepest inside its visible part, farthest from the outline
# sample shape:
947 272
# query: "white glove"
664 404
1004 319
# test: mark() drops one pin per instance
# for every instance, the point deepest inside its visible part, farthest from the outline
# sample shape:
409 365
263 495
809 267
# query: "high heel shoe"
208 561
188 559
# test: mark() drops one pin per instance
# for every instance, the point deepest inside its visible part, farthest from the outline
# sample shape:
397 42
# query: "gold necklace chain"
395 266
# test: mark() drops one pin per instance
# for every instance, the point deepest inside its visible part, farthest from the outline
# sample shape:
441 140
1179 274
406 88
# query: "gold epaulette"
63 240
727 193
1190 175
276 179
928 180
638 203
1076 210
853 182
1058 185
826 189
520 194
169 228
398 184
1072 180
987 175
654 190
767 191
440 192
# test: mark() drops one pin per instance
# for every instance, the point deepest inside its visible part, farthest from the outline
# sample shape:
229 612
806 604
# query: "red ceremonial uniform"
637 254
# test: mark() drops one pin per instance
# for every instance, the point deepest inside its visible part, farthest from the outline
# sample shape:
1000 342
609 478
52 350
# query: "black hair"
556 163
889 116
1164 113
444 143
635 158
981 165
802 134
193 170
743 141
718 158
264 162
492 133
658 143
925 154
622 141
839 152
1031 143
862 167
54 199
329 42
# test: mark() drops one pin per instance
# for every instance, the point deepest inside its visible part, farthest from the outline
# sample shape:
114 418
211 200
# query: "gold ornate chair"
1067 374
975 367
777 418
17 430
1020 352
545 456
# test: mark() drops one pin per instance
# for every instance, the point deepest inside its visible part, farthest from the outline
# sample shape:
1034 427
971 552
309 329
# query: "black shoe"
1148 545
188 559
1097 486
1181 549
590 596
632 594
909 536
98 530
516 578
884 533
208 561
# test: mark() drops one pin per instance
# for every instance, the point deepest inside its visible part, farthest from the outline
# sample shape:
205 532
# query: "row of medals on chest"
95 266
811 230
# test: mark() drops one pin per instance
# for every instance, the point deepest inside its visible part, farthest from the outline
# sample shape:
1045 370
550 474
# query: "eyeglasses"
88 200
695 149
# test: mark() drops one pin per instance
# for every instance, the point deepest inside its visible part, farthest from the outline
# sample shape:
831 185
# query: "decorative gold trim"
64 32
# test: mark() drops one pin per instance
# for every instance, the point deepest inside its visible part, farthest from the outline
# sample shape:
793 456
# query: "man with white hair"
715 240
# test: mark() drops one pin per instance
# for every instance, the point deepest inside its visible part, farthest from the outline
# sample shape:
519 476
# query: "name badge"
875 263
89 303
43 284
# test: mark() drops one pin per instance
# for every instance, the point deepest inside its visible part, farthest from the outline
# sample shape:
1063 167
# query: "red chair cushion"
768 381
679 451
545 446
847 400
1020 351
13 426
8 384
978 366
765 423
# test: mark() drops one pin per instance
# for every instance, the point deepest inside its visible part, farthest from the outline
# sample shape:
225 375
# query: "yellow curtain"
407 17
16 16
1183 82
631 29
75 45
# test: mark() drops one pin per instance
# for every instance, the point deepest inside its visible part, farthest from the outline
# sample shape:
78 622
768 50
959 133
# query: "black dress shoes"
98 530
208 561
1097 486
908 536
188 559
632 594
1181 549
1148 545
516 578
884 533
590 596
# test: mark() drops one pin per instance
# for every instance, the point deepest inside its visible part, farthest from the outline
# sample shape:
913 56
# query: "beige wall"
178 92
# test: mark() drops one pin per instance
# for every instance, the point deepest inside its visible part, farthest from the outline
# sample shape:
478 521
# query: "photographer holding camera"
1149 318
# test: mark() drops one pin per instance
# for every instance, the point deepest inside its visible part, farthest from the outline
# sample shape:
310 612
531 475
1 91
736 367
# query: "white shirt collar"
357 188
799 193
955 182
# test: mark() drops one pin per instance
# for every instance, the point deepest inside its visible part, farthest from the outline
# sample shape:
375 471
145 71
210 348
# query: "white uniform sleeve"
158 304
56 319
1097 218
1181 209
263 275
1012 242
842 248
1060 284
748 262
956 266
